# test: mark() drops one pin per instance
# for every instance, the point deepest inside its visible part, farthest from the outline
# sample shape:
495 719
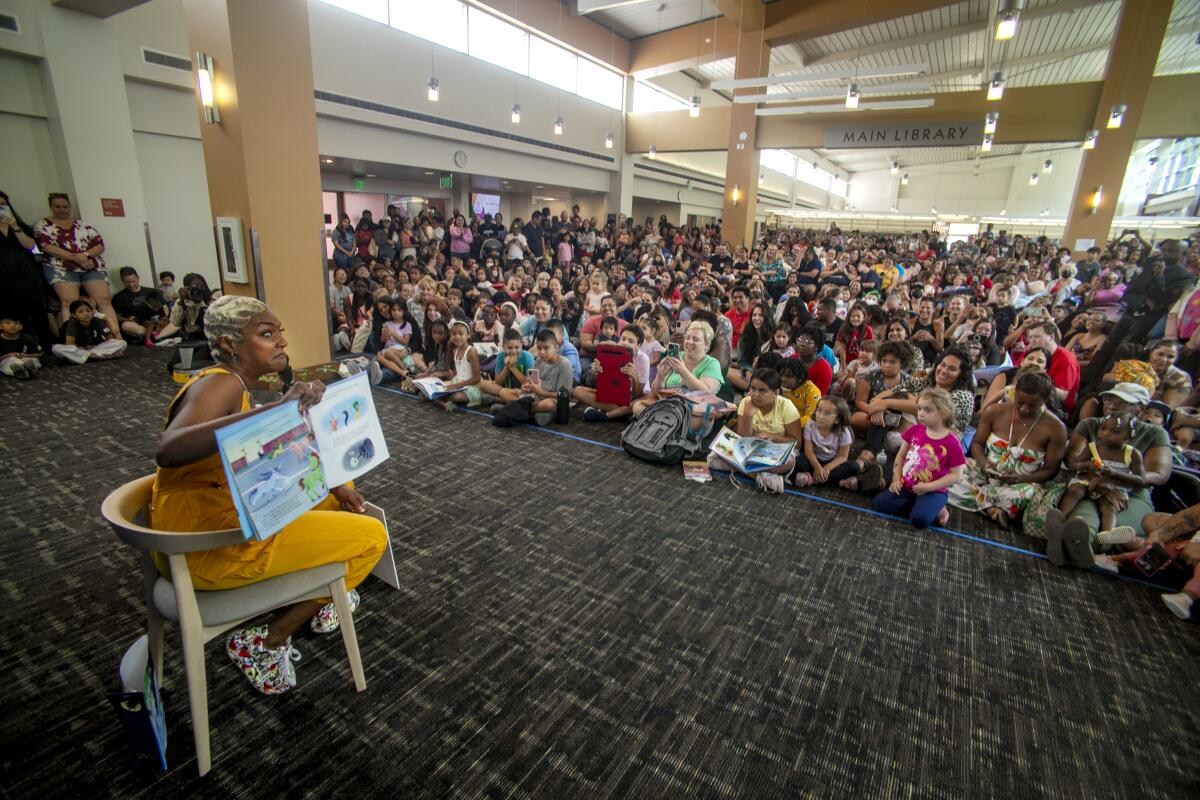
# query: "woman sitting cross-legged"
191 493
693 370
1018 446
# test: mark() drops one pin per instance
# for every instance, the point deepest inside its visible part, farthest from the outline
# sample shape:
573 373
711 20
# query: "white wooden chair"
205 615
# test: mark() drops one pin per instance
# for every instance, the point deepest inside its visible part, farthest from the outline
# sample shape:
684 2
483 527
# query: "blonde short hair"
940 399
705 330
227 318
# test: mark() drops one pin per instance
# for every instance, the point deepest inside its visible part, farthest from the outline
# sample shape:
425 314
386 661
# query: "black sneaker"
594 415
20 372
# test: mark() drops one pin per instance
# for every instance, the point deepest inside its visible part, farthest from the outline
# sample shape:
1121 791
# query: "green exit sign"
359 184
446 182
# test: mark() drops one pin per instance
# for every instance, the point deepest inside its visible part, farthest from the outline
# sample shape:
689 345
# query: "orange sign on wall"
112 206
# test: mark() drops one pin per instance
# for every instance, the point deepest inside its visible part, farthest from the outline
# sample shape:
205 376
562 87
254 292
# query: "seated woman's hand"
308 393
350 499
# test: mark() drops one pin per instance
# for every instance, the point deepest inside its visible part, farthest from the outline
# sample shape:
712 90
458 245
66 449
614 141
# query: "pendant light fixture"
989 122
1033 179
516 113
558 125
852 95
1116 116
694 106
1048 166
904 180
1089 139
652 153
996 86
895 169
608 141
986 146
1006 19
433 88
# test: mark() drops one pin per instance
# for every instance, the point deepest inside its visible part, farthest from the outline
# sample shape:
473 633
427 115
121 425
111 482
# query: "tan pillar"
741 163
261 158
1127 78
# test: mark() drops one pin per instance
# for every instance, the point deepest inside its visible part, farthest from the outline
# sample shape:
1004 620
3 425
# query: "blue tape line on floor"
827 501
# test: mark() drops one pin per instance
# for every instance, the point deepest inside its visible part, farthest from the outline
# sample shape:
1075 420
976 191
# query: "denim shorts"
60 275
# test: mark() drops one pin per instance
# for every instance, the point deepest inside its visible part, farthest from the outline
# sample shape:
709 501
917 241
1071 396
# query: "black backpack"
663 434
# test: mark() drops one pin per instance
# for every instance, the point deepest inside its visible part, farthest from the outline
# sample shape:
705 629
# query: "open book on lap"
432 388
749 453
281 463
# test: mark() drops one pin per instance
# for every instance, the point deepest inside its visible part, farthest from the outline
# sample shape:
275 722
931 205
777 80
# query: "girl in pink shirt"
929 462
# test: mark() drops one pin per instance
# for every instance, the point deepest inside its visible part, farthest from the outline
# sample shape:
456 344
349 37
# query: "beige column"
741 163
1127 78
261 159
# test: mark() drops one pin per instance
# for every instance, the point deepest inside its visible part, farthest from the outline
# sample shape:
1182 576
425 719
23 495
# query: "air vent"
168 60
9 23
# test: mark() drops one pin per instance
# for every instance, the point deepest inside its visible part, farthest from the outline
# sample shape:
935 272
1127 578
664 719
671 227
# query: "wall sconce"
206 81
736 195
1097 199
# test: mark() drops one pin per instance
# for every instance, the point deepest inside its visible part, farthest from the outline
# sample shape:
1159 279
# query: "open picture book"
749 453
280 463
433 388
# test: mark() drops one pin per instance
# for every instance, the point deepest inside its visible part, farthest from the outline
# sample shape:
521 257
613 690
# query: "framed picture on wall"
231 252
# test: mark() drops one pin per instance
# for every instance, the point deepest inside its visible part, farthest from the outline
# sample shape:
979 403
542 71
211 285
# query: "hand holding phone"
673 350
535 377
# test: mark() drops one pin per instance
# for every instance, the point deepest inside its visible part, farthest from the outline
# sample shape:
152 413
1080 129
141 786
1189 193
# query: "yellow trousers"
320 536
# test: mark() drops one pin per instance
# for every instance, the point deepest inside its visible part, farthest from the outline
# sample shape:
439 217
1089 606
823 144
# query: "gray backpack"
664 433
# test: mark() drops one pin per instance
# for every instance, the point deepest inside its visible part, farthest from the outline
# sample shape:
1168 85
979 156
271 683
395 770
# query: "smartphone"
534 377
1154 559
672 350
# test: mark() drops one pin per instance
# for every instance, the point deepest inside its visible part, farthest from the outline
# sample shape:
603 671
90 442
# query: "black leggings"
846 470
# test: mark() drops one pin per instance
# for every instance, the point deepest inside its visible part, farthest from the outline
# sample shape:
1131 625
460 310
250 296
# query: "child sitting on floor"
512 365
638 371
464 362
20 353
930 461
397 353
827 438
846 382
799 389
1108 454
781 341
87 336
553 373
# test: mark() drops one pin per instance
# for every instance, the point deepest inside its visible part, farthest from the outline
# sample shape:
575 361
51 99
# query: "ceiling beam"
966 29
748 15
793 22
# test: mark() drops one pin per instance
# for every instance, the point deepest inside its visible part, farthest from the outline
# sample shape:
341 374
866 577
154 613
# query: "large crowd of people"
994 374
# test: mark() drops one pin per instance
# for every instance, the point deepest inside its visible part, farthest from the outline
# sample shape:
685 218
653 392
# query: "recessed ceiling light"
428 173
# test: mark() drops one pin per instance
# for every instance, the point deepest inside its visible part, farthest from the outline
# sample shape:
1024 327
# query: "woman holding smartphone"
691 369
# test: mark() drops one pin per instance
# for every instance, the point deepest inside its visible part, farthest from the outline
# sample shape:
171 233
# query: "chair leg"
154 634
340 601
193 666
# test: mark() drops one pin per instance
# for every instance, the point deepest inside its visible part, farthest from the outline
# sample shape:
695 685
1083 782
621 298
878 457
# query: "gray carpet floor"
574 623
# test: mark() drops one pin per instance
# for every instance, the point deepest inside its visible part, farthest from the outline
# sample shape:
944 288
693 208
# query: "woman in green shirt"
693 370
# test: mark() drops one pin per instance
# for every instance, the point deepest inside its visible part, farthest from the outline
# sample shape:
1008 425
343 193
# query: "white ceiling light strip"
827 75
831 108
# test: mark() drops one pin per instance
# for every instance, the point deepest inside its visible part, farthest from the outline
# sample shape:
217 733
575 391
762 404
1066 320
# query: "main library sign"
920 134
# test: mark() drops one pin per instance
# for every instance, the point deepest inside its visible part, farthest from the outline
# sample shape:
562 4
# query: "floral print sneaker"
326 620
269 669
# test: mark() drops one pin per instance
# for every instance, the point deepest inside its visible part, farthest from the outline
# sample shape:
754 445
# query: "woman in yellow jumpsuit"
191 493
